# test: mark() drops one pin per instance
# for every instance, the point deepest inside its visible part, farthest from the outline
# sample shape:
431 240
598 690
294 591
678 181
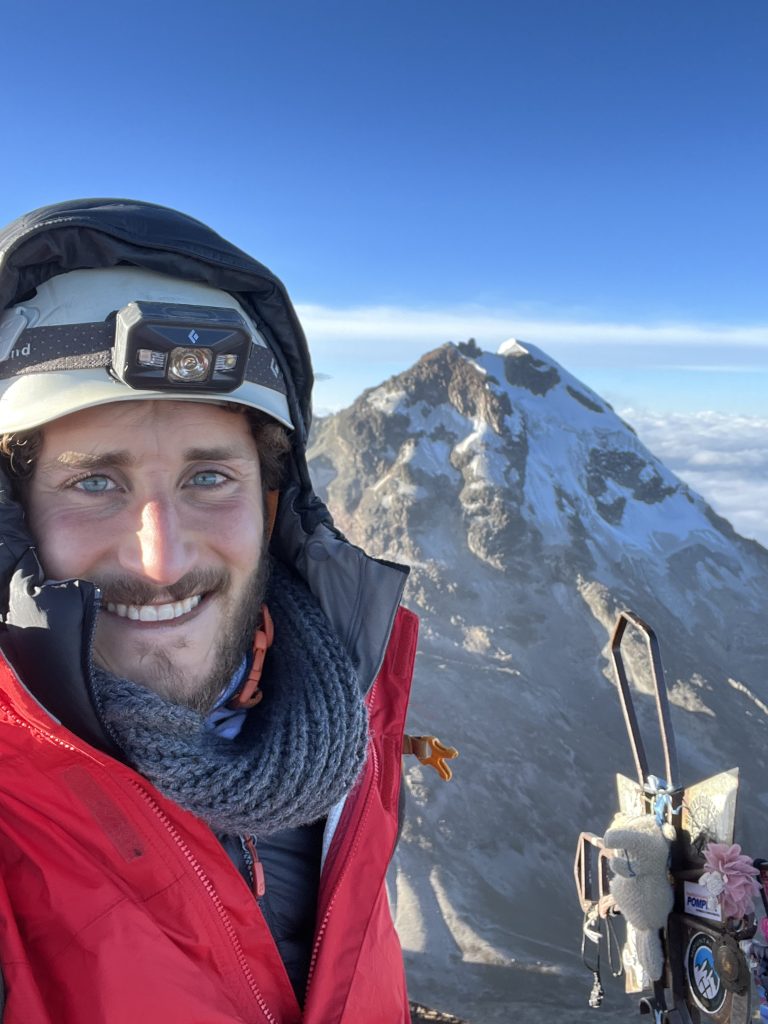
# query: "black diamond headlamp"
160 346
91 337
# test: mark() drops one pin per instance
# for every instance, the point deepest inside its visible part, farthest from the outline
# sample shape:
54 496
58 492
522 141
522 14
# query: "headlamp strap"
65 347
249 694
89 346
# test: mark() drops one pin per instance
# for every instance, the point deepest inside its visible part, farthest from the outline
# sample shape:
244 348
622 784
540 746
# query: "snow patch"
445 416
386 401
741 688
474 949
409 919
511 347
684 695
477 639
490 463
433 458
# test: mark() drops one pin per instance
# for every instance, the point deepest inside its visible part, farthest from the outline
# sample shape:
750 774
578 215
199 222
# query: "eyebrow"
79 460
221 454
122 459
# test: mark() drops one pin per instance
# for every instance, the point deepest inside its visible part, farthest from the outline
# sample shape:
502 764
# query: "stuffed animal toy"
641 885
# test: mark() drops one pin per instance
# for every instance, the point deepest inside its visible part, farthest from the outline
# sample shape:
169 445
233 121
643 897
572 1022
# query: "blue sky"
588 175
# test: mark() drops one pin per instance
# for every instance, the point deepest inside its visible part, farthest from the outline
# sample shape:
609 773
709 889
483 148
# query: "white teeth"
191 602
155 612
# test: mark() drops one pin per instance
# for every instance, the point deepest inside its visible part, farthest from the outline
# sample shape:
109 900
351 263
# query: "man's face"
160 504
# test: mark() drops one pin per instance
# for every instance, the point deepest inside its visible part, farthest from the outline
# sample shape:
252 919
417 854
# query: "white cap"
31 399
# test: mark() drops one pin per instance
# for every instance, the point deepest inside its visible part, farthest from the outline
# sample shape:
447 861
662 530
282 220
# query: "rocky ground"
422 1015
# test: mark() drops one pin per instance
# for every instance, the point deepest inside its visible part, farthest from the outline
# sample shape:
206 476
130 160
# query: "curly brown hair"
19 450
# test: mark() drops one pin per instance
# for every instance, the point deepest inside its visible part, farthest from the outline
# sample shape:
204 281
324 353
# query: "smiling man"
200 789
171 532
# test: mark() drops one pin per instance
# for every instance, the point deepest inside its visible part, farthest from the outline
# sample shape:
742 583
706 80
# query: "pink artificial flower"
733 873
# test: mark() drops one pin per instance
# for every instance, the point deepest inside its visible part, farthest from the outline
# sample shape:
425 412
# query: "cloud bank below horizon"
411 326
723 458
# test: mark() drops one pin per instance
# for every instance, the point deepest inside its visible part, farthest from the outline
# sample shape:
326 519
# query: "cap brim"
35 399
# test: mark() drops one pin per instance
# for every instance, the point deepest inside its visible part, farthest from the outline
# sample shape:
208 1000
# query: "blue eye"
207 478
95 484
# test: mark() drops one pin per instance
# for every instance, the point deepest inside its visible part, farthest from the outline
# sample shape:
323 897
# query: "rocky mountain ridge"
531 514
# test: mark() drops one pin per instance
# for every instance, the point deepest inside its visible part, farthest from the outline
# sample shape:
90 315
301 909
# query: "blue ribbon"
659 789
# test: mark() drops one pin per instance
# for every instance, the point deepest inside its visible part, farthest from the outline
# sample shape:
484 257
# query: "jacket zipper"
213 896
350 853
14 718
256 868
328 859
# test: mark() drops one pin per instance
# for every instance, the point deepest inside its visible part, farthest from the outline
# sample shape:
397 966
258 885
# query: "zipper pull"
258 880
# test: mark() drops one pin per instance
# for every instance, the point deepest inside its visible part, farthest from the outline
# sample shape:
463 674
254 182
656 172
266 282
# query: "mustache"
126 590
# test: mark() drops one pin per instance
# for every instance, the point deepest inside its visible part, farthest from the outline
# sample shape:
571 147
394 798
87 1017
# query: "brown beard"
234 642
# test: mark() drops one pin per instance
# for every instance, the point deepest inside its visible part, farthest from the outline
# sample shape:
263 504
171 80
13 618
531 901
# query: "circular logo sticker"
703 980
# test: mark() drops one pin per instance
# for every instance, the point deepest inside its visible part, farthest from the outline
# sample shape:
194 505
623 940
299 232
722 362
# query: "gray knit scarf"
299 751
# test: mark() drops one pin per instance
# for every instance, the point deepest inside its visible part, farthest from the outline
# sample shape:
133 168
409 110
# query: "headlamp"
161 346
66 348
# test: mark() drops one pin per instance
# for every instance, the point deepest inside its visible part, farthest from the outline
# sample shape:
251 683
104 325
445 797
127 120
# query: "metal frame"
627 702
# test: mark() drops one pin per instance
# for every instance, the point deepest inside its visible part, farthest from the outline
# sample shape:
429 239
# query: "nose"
158 550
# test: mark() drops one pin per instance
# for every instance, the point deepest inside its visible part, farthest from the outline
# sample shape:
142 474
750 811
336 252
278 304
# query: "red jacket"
119 907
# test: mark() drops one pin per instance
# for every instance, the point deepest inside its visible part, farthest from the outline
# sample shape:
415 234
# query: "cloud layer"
724 458
482 323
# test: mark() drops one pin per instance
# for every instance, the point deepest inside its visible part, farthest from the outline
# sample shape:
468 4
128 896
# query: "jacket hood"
359 595
91 233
